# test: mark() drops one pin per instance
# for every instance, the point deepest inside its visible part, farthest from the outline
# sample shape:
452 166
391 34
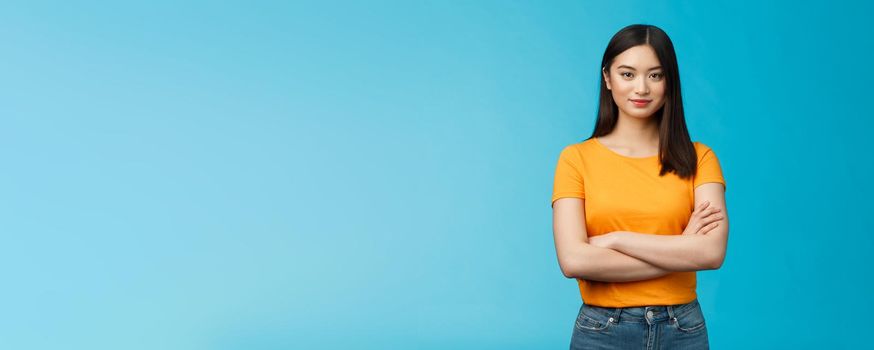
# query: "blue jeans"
678 326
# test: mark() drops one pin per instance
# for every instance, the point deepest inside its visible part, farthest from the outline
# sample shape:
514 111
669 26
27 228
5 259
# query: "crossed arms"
624 256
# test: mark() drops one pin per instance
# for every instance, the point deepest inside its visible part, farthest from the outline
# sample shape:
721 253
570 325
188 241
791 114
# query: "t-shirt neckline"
598 142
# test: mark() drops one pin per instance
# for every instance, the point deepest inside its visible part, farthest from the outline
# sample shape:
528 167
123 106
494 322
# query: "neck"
636 131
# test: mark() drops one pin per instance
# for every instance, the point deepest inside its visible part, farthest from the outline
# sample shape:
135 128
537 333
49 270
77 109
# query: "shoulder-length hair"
676 151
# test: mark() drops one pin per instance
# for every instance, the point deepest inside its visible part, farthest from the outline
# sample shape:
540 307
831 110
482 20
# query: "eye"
627 76
658 76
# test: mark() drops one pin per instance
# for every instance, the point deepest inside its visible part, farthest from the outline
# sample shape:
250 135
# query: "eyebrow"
632 68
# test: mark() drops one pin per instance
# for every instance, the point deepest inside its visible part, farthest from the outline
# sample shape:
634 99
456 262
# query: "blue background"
378 174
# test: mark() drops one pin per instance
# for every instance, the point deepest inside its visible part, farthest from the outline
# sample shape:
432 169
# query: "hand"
606 240
704 219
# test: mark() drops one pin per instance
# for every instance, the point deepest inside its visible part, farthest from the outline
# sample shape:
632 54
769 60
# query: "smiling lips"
641 103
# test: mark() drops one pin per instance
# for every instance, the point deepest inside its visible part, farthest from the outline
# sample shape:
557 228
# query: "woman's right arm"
578 259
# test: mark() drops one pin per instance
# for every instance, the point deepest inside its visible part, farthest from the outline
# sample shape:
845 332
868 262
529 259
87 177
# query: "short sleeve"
568 175
708 168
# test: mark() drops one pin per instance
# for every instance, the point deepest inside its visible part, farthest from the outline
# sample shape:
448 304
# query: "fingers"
702 225
705 218
712 210
709 223
707 228
708 211
701 207
711 218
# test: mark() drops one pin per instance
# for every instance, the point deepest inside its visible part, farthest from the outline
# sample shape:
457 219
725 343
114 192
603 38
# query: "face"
635 74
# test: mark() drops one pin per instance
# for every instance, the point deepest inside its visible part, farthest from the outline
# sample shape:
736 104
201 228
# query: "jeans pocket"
590 320
690 321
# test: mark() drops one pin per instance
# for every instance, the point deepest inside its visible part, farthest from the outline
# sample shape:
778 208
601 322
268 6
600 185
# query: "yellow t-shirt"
627 194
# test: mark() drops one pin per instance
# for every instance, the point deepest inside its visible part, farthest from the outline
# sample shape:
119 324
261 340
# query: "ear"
606 77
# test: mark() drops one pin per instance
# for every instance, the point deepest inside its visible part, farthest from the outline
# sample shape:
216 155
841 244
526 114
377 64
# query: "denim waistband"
655 313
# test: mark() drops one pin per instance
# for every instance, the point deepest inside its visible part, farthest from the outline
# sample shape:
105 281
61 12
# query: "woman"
638 207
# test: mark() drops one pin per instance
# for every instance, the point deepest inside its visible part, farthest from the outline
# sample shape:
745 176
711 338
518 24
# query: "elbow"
713 255
718 264
576 263
573 274
567 270
715 262
570 268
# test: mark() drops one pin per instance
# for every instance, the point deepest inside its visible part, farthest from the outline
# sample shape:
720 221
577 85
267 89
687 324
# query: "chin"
638 114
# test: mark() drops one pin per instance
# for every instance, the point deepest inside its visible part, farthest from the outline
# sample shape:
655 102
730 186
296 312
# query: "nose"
642 88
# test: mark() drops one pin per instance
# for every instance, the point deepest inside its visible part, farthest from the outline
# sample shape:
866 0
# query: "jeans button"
649 314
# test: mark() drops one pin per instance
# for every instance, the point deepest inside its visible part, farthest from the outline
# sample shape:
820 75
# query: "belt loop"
616 312
671 312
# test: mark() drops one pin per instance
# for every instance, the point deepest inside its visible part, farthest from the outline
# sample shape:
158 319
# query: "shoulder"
578 153
585 153
700 146
702 150
578 149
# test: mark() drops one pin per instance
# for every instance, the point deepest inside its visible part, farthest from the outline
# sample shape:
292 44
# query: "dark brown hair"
676 151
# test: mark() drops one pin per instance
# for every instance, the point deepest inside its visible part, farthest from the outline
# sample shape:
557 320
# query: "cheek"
662 100
622 87
659 89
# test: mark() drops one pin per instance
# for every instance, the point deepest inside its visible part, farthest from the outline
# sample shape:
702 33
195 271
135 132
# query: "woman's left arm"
680 252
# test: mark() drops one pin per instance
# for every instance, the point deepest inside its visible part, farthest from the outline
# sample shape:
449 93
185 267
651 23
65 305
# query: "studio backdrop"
377 174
